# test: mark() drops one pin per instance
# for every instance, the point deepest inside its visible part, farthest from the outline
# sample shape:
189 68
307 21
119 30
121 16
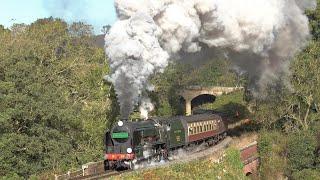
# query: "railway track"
199 153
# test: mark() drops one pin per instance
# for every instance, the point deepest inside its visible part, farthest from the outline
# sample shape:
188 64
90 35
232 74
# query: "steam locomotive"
128 143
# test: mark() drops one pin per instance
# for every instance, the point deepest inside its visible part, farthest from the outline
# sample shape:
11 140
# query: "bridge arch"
202 99
193 92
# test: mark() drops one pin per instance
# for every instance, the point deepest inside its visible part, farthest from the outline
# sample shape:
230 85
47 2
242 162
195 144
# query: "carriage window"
205 127
190 131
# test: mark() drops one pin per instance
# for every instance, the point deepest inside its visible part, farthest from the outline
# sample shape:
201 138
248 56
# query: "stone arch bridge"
192 92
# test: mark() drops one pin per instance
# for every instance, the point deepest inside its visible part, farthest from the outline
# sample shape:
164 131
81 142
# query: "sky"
95 12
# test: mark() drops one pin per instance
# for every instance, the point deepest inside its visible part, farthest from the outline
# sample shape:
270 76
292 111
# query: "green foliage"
301 150
271 148
269 110
287 154
265 145
294 114
314 18
11 176
231 104
296 105
307 174
305 79
164 109
315 129
33 177
213 73
178 76
233 163
53 98
167 86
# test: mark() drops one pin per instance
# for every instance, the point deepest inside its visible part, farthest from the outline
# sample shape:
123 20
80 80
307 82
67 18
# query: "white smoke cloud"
259 36
307 4
135 54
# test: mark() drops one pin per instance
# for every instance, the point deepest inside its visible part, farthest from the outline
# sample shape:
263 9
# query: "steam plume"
145 107
259 36
135 54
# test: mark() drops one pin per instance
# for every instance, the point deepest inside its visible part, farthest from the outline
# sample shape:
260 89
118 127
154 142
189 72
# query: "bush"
315 128
233 160
232 164
306 174
265 144
271 148
13 176
301 151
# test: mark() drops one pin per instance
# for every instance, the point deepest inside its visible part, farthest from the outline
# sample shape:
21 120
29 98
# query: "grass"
221 101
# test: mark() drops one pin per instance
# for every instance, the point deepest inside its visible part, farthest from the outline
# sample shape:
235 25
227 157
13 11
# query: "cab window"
137 137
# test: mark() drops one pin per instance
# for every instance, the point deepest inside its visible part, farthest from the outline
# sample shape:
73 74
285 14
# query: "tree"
80 29
306 82
301 151
105 29
54 100
298 104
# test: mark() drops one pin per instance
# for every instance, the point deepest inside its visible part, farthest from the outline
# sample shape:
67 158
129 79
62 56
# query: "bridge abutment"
188 107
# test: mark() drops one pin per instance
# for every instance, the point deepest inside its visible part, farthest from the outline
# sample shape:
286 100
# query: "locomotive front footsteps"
129 142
